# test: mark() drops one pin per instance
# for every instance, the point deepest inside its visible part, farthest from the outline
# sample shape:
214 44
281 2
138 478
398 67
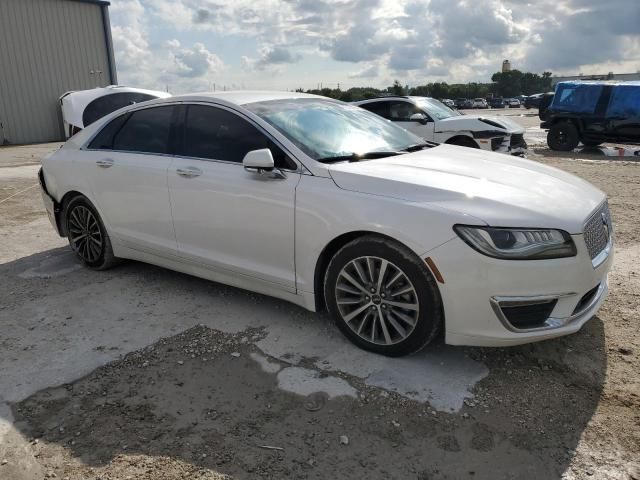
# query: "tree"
397 89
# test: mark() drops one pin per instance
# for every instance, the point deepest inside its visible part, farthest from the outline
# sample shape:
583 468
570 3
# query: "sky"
198 45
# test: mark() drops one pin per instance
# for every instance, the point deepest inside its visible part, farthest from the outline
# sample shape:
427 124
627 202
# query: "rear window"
103 106
104 139
145 131
625 102
576 98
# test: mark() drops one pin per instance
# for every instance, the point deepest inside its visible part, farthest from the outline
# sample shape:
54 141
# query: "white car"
326 205
435 122
513 103
479 103
83 107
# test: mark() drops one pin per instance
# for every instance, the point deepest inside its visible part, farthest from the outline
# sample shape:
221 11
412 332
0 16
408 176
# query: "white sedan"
326 205
435 122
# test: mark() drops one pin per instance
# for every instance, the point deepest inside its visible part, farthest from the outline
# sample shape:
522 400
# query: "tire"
81 219
563 136
404 330
462 142
591 143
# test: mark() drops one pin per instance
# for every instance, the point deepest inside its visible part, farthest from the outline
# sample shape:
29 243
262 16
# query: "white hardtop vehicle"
435 122
80 108
326 205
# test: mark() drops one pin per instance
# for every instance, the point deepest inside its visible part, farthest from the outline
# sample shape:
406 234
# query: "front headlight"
517 243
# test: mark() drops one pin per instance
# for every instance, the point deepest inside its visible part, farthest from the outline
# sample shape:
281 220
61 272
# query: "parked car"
479 103
460 102
533 101
324 204
435 122
513 103
448 102
83 107
593 112
497 102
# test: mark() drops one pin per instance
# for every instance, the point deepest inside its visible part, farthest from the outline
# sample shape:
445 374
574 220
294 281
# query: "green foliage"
507 84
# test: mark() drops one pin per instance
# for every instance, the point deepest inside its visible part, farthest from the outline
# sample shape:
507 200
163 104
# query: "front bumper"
476 286
509 143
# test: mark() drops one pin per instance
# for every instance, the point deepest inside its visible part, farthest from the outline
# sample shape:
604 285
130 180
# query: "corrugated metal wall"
47 47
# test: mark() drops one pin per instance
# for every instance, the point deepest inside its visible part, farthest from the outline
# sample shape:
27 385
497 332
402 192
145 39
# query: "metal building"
48 47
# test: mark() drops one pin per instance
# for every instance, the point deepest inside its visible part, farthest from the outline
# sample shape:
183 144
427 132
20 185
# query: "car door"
126 166
226 217
400 112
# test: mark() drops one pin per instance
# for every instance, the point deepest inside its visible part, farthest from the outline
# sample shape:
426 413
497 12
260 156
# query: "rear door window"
217 134
103 106
145 131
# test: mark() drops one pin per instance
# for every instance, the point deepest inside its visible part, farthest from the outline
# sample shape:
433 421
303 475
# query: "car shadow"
137 383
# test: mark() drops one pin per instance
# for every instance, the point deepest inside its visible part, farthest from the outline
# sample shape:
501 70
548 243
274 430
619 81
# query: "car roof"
634 83
392 97
242 97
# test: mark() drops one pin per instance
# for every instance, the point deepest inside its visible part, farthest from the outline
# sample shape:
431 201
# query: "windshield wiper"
356 157
420 146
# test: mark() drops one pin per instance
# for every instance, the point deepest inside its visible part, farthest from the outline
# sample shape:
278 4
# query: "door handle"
105 163
189 172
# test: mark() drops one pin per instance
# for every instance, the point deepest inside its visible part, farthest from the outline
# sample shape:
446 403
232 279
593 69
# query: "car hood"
475 123
496 189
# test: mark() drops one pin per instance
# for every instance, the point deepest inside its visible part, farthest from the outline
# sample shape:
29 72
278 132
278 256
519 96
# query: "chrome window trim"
301 169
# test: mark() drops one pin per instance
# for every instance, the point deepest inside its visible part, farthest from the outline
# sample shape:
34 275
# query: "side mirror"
418 117
258 160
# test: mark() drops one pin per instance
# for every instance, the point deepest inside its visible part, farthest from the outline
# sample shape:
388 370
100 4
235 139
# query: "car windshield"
327 130
436 109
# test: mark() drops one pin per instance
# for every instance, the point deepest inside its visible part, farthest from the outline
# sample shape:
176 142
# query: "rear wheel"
87 235
563 137
382 297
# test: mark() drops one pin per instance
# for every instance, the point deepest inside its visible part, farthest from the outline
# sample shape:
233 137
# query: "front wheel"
87 235
382 297
563 137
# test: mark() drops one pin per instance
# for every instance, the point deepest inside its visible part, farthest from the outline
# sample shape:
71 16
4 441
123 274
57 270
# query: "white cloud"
414 40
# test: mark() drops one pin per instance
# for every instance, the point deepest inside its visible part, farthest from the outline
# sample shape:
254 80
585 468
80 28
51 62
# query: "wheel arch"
462 139
332 248
62 211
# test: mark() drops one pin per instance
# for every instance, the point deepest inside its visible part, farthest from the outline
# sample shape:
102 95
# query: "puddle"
304 381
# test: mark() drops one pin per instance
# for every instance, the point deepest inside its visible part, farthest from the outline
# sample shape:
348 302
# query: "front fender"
325 212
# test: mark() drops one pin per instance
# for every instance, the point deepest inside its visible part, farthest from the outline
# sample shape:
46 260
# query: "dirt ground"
143 373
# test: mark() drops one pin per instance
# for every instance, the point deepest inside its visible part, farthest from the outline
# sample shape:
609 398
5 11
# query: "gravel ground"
206 398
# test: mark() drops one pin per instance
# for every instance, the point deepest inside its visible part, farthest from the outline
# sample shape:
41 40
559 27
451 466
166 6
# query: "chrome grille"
597 230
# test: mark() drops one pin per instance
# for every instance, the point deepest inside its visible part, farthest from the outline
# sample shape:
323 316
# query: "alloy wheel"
85 235
377 300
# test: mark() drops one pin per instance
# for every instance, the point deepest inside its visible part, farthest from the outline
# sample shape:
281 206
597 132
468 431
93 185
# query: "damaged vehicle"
591 113
435 122
326 205
83 107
